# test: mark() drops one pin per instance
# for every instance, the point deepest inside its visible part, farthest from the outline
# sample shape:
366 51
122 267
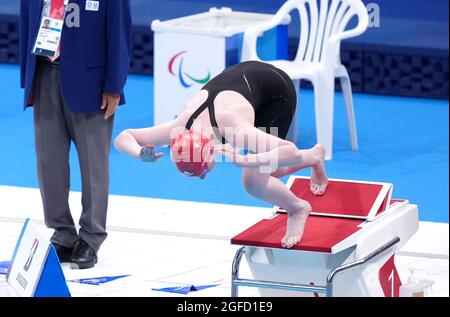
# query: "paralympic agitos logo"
185 78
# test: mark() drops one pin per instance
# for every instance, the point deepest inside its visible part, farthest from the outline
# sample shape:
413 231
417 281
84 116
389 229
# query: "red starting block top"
337 216
344 198
321 233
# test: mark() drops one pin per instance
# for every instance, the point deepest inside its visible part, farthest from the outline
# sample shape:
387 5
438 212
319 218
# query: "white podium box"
191 50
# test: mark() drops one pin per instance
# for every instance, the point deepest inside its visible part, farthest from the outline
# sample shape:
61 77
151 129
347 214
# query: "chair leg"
348 100
324 111
293 132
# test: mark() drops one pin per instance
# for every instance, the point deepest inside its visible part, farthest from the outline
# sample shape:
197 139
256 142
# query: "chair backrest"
321 19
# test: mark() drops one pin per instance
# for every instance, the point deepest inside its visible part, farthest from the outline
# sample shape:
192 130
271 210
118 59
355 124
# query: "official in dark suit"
74 99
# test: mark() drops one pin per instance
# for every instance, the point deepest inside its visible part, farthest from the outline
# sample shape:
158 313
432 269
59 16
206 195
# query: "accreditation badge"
50 30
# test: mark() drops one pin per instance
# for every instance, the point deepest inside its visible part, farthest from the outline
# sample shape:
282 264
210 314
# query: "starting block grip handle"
235 271
351 265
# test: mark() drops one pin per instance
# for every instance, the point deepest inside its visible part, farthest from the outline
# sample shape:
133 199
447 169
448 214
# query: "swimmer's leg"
273 191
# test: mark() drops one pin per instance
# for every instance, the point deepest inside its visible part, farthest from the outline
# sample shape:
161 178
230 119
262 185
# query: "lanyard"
47 5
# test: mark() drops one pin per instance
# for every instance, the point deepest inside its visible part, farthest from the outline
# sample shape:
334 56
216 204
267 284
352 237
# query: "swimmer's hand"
147 154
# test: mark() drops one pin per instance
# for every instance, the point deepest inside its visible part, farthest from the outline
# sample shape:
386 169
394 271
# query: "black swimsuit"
268 89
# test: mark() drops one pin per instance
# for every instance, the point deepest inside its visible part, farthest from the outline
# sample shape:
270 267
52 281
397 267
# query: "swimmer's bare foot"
296 225
319 179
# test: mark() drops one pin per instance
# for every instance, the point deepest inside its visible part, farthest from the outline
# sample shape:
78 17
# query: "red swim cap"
191 151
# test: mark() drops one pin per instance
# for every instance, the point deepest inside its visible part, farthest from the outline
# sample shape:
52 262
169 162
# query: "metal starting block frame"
328 289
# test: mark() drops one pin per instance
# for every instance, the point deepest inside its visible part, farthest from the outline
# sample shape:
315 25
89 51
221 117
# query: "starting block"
348 247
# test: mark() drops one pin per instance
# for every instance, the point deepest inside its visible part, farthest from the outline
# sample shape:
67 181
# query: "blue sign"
35 270
4 266
183 289
98 280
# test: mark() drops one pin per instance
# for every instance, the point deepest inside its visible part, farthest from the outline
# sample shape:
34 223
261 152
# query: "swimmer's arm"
284 155
132 141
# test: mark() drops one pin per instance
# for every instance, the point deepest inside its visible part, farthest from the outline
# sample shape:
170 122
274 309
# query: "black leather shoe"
64 253
83 256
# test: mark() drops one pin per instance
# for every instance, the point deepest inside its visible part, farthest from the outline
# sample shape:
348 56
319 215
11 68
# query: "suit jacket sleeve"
23 42
118 44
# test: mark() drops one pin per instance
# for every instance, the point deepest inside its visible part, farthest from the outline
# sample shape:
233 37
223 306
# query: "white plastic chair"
318 57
